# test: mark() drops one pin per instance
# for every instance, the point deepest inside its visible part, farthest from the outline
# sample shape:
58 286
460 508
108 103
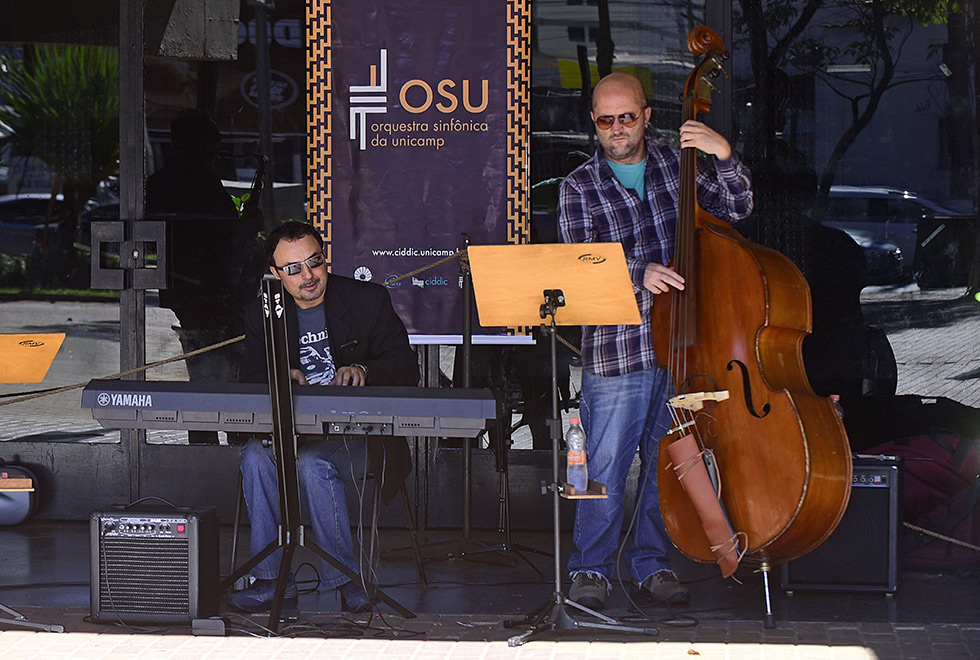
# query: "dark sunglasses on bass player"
627 119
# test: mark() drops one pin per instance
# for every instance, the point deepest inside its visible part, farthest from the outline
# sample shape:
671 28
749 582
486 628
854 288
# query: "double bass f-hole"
747 390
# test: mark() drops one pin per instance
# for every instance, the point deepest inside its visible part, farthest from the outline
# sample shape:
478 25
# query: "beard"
621 150
307 293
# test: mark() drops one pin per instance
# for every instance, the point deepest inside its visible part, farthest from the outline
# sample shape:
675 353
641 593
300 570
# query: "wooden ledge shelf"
595 491
19 484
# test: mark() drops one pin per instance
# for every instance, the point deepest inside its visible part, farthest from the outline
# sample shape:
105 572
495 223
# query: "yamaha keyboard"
246 408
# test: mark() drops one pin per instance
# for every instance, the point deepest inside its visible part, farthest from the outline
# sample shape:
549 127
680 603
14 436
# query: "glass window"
853 120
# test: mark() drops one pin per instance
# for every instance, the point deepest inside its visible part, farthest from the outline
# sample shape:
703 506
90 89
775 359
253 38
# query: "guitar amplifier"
862 553
154 565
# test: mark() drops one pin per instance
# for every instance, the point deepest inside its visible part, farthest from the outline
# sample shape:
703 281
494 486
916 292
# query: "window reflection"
859 126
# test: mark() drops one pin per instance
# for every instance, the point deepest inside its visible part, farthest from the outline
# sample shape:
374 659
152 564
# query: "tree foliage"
61 105
926 12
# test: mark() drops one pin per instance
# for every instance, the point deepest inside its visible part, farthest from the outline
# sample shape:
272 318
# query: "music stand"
562 284
27 357
285 444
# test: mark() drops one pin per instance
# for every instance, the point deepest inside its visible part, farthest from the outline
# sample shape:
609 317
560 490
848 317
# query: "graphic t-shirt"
314 346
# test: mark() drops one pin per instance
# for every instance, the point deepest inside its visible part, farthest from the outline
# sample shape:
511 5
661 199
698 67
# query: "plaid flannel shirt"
593 206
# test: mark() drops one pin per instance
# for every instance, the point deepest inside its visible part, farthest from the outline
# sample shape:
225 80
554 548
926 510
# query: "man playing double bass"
627 192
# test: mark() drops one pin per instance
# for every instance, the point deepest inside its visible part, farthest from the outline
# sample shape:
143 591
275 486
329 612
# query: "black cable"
643 480
315 581
153 497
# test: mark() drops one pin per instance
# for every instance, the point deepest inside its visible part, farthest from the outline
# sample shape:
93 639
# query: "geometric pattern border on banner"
518 120
319 87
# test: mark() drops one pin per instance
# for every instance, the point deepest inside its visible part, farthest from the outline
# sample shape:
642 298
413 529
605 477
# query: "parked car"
23 227
886 263
20 217
936 244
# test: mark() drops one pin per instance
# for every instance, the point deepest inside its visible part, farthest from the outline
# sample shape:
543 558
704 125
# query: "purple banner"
417 137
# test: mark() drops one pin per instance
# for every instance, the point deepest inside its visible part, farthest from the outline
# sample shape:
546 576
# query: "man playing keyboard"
342 333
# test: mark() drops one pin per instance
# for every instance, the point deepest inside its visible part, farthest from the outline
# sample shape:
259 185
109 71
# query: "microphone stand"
468 547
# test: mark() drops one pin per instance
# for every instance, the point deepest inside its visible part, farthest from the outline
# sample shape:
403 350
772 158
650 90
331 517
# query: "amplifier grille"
145 575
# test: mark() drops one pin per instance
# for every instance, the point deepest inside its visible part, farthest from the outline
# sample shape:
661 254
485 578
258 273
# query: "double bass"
776 453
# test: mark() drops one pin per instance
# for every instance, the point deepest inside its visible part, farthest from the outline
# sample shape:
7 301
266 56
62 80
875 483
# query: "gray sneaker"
589 590
663 586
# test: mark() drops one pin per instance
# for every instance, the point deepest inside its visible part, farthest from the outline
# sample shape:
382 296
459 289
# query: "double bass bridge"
692 402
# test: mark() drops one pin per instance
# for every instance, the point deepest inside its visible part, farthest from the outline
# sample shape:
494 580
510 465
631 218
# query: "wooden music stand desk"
27 358
509 282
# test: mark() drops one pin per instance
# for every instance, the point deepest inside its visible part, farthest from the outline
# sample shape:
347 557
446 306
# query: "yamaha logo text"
128 400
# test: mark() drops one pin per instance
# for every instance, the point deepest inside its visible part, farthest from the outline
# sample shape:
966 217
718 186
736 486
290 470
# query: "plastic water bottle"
577 474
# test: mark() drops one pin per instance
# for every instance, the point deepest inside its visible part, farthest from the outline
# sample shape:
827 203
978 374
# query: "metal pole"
263 78
467 363
132 301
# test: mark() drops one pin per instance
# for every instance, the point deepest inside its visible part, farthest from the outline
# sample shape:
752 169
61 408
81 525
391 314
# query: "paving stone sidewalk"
485 638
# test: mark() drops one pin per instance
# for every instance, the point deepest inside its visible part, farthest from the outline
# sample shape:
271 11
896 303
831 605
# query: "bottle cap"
573 420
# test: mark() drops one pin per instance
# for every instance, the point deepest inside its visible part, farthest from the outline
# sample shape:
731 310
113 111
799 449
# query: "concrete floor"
44 570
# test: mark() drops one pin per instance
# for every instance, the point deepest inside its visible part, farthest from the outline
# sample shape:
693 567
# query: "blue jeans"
322 467
619 415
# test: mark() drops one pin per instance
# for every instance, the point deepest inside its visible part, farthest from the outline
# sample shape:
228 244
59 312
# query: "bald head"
621 115
619 84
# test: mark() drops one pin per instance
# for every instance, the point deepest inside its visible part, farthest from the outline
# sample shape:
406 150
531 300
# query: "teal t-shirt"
631 176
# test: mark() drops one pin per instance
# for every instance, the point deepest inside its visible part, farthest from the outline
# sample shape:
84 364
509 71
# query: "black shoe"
353 599
589 590
663 586
258 597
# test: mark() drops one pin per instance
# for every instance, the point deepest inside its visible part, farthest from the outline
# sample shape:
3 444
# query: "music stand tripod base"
556 618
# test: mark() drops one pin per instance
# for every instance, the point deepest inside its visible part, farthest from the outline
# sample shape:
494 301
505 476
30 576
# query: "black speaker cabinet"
153 565
862 553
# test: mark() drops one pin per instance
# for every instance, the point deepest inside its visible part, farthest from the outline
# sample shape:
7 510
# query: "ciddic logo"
432 281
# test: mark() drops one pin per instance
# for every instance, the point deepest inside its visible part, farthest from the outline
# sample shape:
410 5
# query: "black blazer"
364 329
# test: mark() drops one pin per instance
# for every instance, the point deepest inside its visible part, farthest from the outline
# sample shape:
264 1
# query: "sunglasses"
627 119
296 268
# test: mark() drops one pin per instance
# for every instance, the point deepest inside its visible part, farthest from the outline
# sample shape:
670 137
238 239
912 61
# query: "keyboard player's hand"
351 375
297 377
